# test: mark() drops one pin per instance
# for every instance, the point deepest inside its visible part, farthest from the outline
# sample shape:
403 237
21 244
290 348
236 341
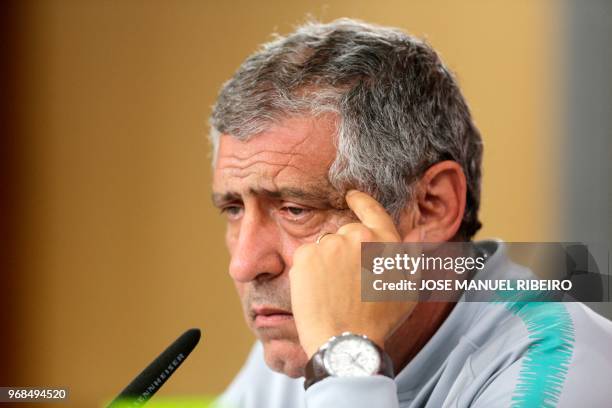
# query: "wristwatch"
347 355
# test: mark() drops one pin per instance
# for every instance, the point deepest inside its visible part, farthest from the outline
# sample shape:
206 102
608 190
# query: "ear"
436 212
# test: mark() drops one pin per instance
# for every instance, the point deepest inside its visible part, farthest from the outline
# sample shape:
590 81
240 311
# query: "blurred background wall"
110 245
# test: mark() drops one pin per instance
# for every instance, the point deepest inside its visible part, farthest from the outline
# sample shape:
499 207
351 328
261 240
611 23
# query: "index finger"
370 212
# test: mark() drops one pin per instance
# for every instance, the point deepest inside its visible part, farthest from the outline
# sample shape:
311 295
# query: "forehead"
294 152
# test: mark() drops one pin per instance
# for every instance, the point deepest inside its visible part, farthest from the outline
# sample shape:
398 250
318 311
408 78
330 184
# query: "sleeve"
359 392
565 366
499 393
563 388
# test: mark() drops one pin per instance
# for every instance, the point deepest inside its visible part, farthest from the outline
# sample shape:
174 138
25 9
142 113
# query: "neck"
415 332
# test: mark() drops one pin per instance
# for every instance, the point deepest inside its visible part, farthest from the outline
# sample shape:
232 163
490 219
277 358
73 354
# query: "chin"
285 356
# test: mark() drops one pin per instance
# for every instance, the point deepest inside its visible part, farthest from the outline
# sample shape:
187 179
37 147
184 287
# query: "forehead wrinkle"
291 145
273 172
312 193
299 144
236 162
234 154
272 168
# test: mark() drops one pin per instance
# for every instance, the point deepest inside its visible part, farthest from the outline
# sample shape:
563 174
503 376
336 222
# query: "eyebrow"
313 195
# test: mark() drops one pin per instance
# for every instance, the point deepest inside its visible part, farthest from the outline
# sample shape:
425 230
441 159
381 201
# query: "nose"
255 253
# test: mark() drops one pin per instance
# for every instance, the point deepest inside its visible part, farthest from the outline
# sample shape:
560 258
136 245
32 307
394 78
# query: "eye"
295 213
233 212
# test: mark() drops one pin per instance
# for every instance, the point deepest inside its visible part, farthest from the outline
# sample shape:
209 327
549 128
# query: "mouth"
264 316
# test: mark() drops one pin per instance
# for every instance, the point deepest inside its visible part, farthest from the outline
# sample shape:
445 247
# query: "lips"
264 316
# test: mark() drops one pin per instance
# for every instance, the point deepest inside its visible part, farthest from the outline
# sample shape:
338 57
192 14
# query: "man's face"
275 194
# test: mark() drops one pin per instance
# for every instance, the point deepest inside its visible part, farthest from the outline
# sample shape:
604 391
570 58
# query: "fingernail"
351 192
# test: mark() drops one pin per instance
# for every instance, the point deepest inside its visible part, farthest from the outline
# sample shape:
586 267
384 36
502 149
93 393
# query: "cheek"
291 241
289 244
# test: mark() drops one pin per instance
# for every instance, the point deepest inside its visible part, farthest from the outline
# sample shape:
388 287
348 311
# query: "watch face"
351 356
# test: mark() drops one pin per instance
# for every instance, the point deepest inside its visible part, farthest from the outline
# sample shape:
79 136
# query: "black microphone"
150 380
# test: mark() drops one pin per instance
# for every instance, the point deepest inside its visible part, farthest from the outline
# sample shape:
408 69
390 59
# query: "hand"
326 281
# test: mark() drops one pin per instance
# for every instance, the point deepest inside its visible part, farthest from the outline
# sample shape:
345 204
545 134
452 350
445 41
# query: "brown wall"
116 246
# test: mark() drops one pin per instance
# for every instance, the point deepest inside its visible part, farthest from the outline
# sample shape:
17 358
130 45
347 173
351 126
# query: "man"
345 133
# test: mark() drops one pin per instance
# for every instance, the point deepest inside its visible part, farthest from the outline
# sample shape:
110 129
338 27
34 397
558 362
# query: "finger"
332 242
351 228
357 231
370 212
303 253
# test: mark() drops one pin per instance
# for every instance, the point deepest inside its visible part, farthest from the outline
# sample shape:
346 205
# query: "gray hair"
399 109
